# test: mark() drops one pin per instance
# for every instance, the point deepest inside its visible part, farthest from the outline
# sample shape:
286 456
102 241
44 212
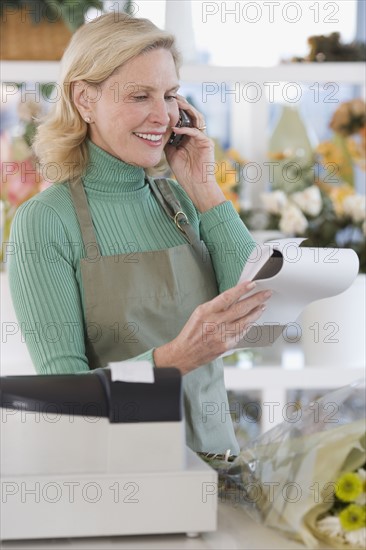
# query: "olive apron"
135 302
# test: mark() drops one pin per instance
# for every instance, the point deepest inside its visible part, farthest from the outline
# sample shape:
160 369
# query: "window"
257 32
261 33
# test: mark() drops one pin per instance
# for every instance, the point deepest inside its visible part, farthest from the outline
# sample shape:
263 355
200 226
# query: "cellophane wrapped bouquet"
306 476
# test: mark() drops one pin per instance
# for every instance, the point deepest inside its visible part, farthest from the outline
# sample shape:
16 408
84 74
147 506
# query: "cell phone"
183 122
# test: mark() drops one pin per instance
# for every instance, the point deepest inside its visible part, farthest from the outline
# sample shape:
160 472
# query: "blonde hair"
95 51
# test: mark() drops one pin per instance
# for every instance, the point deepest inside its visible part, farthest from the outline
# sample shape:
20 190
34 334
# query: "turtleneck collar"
109 174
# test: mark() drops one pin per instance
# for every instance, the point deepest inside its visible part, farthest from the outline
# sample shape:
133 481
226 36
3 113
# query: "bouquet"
306 476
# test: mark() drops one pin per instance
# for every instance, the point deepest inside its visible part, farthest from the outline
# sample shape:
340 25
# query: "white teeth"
150 137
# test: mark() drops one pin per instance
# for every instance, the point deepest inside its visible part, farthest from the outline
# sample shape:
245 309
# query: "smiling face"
134 109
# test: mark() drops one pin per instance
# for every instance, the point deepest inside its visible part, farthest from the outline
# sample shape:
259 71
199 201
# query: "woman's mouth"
150 139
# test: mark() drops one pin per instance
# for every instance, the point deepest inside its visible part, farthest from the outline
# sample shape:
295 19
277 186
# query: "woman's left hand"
193 161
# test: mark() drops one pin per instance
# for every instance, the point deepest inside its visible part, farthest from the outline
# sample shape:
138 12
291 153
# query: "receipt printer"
86 456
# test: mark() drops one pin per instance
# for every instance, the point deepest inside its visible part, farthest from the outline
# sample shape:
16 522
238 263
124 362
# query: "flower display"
319 201
21 178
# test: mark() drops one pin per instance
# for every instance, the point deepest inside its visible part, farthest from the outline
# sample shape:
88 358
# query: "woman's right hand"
214 328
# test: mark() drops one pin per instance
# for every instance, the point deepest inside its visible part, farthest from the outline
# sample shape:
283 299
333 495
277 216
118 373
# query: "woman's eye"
171 97
140 97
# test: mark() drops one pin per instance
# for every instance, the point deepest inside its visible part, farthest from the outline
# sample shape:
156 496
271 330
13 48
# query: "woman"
103 273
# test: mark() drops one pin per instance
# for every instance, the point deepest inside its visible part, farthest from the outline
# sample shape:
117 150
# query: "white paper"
132 371
297 277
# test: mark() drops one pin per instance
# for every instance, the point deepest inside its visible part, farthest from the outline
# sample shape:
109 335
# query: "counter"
235 531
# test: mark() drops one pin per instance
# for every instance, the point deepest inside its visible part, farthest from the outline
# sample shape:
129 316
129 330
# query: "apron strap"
83 214
166 197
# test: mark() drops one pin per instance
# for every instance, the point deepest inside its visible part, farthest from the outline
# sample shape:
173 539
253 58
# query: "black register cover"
95 394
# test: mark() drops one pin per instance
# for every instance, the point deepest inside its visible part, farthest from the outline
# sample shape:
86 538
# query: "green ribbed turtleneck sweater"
44 270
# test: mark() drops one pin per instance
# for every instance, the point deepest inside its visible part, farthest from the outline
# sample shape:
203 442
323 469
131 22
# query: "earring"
87 119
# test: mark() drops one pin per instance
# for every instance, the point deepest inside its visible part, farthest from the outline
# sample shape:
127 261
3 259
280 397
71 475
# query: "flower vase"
289 144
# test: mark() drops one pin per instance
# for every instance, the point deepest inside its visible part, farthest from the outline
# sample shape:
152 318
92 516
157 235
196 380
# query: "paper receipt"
132 371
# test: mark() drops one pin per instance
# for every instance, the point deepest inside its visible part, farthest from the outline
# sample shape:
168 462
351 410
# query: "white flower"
274 202
356 538
293 221
355 206
310 200
331 526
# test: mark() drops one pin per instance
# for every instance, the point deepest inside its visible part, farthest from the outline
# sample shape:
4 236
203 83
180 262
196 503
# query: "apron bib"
135 302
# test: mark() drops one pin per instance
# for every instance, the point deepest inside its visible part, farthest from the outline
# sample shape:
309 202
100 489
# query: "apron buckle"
177 221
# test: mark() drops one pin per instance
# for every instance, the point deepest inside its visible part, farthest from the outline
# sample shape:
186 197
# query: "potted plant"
40 29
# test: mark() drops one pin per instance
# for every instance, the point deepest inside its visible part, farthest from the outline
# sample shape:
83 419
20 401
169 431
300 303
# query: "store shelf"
352 73
290 72
29 71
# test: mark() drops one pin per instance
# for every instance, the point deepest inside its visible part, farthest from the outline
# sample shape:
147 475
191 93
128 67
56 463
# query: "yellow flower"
353 517
233 197
234 155
226 176
357 152
227 172
348 487
337 195
331 153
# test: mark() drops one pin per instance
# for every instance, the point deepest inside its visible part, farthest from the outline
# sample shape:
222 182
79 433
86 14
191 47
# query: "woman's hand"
214 328
192 162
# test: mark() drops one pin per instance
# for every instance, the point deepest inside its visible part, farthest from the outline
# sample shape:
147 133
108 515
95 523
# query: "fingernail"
267 294
251 285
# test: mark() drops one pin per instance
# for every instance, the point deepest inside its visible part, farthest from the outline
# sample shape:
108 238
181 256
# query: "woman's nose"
161 113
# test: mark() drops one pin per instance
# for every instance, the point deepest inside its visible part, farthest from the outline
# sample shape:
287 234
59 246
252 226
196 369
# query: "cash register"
90 456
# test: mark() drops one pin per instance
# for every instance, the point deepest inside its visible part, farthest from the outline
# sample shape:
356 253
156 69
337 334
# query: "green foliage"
71 11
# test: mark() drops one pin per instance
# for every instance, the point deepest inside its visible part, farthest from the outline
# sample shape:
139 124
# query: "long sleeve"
228 242
44 291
